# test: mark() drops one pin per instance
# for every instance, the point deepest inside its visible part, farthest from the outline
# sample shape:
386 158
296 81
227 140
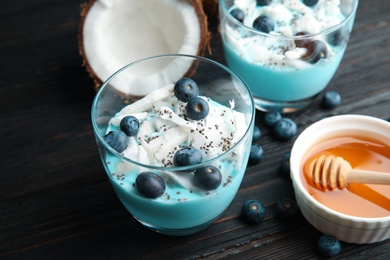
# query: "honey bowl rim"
329 127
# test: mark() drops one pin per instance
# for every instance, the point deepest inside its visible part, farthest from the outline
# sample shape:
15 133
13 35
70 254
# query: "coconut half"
114 33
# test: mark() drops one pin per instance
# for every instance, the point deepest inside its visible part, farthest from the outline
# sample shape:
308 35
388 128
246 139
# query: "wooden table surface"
55 199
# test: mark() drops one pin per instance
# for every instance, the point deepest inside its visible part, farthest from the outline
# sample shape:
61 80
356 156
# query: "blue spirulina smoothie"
183 204
283 84
178 207
273 66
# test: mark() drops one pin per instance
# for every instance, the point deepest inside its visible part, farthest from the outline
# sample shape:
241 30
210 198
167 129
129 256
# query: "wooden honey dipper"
331 172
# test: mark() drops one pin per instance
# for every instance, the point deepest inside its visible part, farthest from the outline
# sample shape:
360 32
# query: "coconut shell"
204 44
210 7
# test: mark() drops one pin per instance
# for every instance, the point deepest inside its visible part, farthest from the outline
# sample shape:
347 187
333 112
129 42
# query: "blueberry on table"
117 139
256 154
208 177
271 117
285 129
238 14
328 246
310 2
197 108
263 23
263 2
287 208
185 89
187 156
150 185
330 99
316 50
285 164
256 133
129 125
252 211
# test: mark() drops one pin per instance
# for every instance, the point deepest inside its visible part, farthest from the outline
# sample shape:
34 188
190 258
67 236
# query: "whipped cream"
290 17
165 128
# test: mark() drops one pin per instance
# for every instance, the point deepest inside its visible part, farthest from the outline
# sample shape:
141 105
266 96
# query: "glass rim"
171 168
286 37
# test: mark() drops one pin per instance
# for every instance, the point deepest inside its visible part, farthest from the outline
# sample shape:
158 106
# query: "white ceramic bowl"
359 230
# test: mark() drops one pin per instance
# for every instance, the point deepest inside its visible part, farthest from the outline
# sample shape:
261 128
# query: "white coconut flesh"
119 32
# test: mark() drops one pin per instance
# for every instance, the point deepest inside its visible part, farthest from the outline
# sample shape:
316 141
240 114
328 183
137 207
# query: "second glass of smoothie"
286 51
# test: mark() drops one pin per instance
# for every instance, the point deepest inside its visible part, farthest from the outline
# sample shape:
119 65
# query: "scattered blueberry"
256 154
328 246
338 37
185 89
187 156
208 177
263 23
150 185
256 134
310 2
271 117
285 129
238 14
253 211
197 108
117 139
285 164
287 208
316 50
263 2
129 125
330 99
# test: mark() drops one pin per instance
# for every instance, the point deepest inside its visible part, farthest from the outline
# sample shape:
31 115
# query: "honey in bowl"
360 200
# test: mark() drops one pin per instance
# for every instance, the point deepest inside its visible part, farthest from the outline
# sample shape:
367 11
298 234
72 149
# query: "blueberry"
238 14
117 139
129 125
253 211
285 164
197 108
287 208
310 2
328 246
285 129
263 2
256 154
316 50
330 99
187 156
185 89
263 23
150 185
271 117
338 37
208 177
256 134
301 43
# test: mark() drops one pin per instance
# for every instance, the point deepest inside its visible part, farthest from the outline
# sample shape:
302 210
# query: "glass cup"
286 68
185 207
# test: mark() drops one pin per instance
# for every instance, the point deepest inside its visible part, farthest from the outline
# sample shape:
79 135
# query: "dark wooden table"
55 199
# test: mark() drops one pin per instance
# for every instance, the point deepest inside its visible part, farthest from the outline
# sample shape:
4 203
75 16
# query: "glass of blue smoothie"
287 51
174 134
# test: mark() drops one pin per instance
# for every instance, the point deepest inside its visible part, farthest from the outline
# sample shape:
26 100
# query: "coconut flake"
148 101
